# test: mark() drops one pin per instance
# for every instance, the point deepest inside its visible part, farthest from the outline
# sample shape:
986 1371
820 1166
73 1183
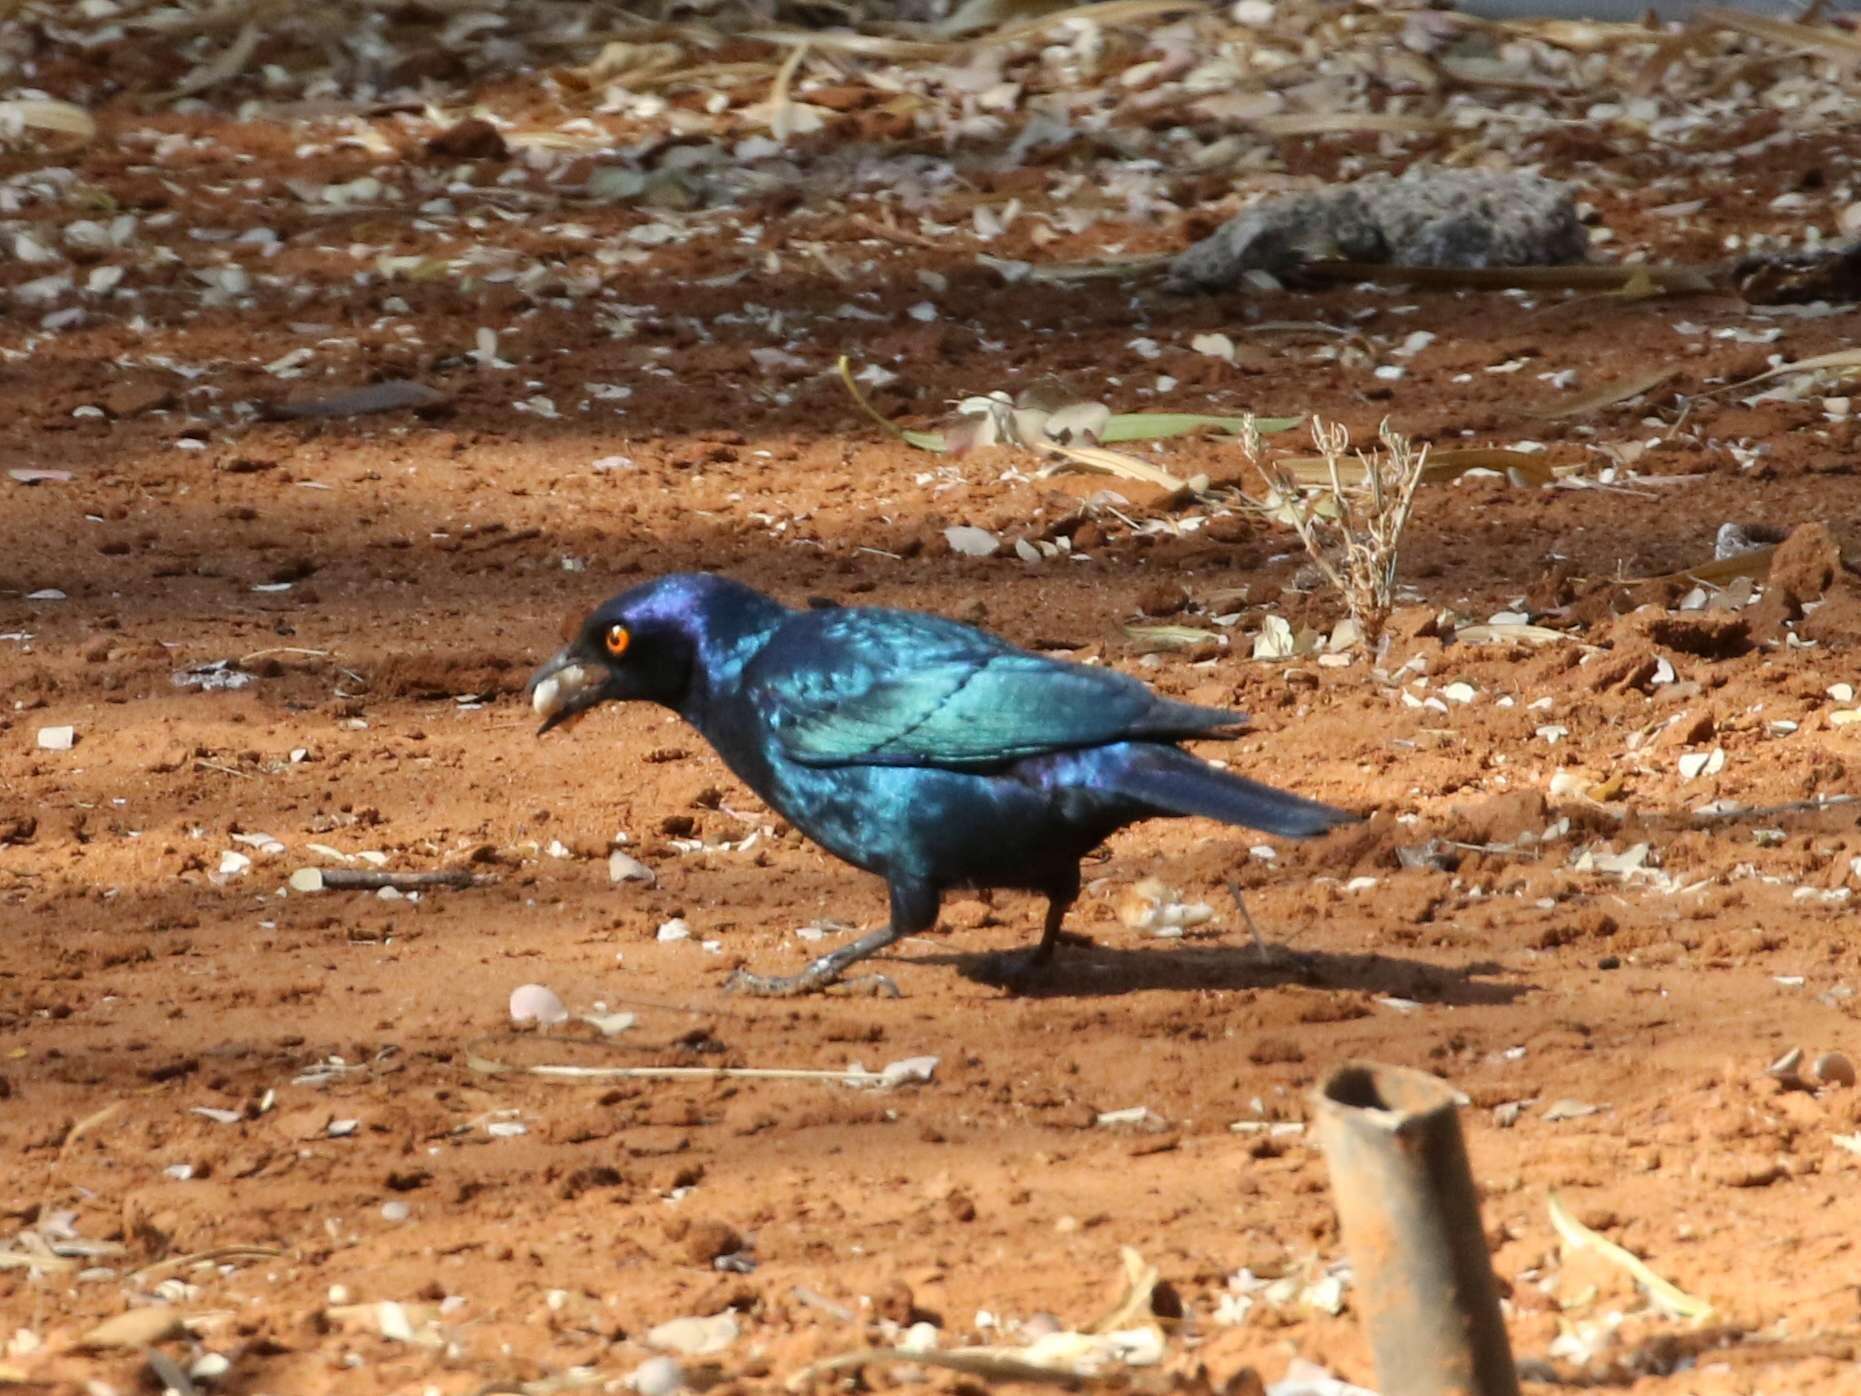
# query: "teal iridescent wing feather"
872 687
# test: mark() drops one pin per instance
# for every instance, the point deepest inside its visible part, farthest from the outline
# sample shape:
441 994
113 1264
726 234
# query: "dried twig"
220 1255
202 764
1353 533
1261 947
373 879
488 1066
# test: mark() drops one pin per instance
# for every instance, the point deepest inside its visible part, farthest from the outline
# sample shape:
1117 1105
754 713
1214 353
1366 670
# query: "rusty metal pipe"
1411 1223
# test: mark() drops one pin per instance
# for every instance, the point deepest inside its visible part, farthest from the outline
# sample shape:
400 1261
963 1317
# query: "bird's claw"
879 986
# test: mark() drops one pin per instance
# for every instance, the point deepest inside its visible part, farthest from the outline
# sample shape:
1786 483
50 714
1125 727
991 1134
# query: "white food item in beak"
555 692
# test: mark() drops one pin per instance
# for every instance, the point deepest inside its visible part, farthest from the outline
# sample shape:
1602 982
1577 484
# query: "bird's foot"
780 986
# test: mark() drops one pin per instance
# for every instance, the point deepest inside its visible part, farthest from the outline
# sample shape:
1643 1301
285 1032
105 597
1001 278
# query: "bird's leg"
1050 931
914 909
1013 970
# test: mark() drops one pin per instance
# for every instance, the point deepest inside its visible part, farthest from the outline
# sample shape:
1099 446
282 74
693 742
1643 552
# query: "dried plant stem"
1353 530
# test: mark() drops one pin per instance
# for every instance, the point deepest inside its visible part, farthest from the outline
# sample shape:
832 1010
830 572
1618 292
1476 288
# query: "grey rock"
1426 217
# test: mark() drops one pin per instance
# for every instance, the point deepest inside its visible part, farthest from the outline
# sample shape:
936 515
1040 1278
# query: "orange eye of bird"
618 638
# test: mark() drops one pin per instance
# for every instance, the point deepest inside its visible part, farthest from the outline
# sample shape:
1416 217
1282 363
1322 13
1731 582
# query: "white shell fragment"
694 1337
537 1003
1833 1069
609 1024
907 1071
57 738
971 541
307 880
624 867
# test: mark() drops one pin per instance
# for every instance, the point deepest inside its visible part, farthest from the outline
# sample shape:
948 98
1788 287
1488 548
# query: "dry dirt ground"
269 1118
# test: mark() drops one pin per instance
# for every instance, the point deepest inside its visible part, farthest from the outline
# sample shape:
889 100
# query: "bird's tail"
1174 782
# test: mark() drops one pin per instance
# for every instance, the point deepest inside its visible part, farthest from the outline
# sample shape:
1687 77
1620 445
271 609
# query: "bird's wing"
897 688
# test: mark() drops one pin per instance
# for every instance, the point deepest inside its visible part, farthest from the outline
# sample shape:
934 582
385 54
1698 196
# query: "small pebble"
210 1367
657 1376
57 738
395 1211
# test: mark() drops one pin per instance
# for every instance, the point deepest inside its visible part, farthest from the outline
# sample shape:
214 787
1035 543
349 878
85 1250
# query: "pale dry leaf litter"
349 349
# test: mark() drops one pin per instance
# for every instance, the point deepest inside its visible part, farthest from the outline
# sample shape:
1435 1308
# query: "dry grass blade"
1831 43
1102 1348
487 1066
232 61
219 1256
1108 462
845 367
865 45
1131 1308
36 1256
1508 632
1608 395
1333 123
45 114
1522 467
1160 426
1755 564
175 21
1125 426
781 104
708 75
90 1122
1105 14
1838 358
1124 269
1664 1294
138 1328
1166 639
1579 35
1671 280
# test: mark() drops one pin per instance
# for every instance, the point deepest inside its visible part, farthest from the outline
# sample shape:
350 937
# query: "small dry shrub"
1351 517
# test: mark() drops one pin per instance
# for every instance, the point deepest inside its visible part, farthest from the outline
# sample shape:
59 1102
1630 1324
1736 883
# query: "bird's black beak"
565 688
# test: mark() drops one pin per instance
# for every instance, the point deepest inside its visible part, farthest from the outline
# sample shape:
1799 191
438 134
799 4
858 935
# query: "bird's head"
658 642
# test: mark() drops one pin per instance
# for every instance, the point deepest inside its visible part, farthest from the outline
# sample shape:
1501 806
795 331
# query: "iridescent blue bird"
917 748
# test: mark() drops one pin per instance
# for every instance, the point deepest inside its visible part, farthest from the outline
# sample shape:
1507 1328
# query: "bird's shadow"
1095 971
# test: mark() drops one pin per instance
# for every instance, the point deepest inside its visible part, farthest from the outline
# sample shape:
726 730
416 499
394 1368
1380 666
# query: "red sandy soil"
1611 1029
